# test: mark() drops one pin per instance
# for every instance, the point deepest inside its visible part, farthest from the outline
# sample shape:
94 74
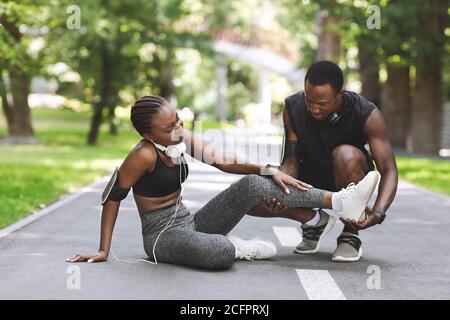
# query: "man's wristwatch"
381 214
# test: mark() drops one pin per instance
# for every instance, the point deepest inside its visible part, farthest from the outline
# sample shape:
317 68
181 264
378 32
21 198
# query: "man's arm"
380 147
290 161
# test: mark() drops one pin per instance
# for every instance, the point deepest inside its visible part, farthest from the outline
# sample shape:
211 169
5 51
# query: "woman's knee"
221 255
220 264
243 184
253 182
252 187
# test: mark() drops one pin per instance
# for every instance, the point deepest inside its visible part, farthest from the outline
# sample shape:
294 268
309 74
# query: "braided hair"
143 111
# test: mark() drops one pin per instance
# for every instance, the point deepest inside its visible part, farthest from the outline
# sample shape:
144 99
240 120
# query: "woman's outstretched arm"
137 162
231 164
109 216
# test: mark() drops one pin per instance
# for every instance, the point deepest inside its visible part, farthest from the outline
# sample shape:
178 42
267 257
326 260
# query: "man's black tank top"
317 138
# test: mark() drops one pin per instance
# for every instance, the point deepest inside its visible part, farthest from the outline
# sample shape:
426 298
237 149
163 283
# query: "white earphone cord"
169 223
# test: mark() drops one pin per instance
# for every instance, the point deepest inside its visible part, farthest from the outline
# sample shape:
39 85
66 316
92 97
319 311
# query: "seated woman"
170 232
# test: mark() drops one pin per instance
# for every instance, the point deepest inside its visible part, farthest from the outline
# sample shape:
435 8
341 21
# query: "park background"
70 70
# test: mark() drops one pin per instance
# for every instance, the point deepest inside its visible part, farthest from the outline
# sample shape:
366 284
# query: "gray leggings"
199 240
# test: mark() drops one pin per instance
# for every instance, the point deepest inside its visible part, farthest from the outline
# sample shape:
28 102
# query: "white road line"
319 285
288 236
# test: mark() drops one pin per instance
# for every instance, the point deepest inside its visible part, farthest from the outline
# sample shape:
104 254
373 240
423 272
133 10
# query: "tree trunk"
21 115
428 99
427 109
97 117
112 117
113 93
368 70
7 110
194 120
19 121
329 47
396 101
167 75
96 121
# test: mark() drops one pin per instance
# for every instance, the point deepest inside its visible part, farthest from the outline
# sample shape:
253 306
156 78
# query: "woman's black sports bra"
163 180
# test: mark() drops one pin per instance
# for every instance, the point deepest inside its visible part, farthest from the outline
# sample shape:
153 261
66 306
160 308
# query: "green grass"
429 173
32 176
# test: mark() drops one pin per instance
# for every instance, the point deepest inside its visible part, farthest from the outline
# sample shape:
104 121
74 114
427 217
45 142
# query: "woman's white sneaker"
356 197
254 249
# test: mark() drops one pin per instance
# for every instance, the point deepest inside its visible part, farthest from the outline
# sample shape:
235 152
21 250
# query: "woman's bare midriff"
146 204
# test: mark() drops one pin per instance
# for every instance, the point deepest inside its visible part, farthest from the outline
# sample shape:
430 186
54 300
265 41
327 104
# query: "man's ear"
339 97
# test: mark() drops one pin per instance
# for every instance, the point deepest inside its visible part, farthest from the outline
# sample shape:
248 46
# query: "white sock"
336 201
332 213
237 253
314 220
237 242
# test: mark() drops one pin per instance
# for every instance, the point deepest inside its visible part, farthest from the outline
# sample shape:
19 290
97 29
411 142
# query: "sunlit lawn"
34 175
431 174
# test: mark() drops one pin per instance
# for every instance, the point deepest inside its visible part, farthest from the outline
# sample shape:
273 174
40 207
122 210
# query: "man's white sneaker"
253 249
356 197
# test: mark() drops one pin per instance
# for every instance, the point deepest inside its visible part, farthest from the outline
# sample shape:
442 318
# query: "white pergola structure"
266 62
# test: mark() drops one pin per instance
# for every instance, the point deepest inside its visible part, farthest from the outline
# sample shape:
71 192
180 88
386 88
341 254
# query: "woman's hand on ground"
274 206
282 179
101 256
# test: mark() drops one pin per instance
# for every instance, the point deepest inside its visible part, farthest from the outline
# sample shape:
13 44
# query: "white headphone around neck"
173 151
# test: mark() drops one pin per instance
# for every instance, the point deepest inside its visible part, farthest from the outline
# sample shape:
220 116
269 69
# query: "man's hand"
282 179
275 207
371 219
101 256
